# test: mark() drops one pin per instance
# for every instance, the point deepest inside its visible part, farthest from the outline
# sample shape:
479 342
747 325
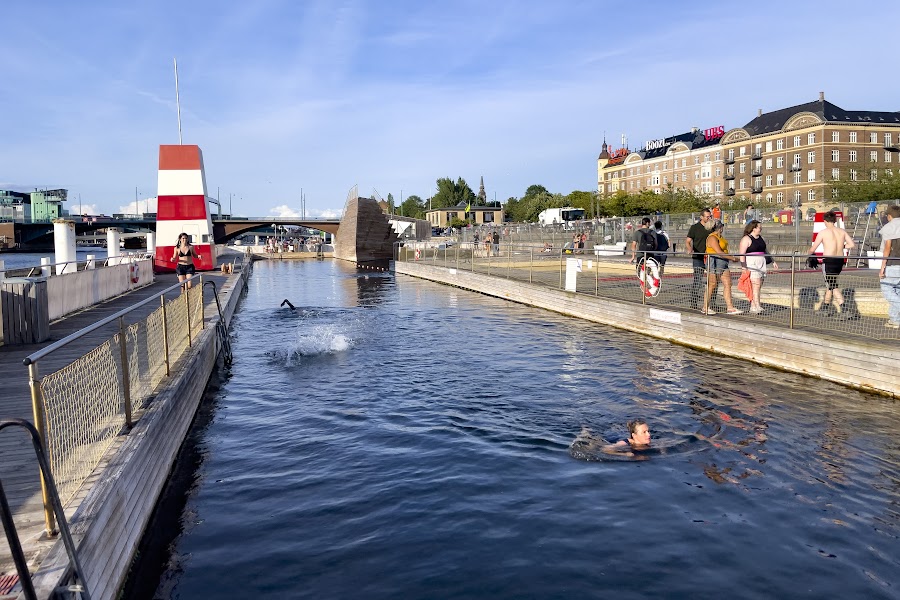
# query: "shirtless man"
834 241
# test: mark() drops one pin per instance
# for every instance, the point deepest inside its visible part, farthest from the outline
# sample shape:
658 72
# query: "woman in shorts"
756 260
184 254
717 265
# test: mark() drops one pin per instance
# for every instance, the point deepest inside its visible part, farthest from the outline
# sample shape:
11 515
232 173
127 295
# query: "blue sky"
390 96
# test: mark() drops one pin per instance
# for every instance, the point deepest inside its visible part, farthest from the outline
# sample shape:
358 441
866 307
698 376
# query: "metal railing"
791 295
9 526
81 408
72 266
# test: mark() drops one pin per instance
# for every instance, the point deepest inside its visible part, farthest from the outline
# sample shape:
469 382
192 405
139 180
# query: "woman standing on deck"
717 269
184 254
756 261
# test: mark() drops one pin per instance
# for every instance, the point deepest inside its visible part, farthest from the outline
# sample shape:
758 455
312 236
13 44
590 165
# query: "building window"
852 137
779 144
796 141
852 174
718 187
696 160
811 138
797 177
780 197
743 168
835 155
835 174
683 163
887 157
706 157
779 179
810 158
676 177
797 196
873 175
888 172
768 164
742 185
731 154
835 136
768 181
696 174
796 160
873 137
811 175
811 195
887 139
779 162
706 187
853 156
834 192
743 151
873 156
768 146
718 156
718 171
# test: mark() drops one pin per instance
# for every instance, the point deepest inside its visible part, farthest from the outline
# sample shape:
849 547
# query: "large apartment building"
791 155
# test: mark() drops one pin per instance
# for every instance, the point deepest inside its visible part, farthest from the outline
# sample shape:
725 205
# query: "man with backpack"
662 245
643 241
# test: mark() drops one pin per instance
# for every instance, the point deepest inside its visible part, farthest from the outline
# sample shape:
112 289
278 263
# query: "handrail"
10 527
222 327
36 356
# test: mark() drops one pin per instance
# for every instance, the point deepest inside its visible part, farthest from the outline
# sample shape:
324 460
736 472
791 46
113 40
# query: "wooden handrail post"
40 423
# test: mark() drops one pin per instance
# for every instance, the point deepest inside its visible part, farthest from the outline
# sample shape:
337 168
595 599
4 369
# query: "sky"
322 96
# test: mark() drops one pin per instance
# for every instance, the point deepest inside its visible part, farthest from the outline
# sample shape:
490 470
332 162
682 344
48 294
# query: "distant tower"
482 197
602 161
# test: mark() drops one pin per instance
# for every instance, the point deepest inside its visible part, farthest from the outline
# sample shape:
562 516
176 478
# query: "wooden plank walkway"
18 466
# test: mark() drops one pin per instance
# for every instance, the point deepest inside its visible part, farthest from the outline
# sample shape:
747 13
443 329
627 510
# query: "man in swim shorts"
833 240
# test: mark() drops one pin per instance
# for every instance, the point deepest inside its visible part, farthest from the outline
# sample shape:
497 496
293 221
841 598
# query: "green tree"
864 189
413 207
390 204
451 194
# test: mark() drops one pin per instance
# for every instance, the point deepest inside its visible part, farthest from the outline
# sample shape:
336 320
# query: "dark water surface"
395 438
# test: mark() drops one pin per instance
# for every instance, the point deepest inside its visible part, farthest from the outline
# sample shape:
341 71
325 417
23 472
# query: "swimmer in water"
639 438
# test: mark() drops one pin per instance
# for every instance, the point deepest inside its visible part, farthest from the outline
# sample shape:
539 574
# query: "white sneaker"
755 310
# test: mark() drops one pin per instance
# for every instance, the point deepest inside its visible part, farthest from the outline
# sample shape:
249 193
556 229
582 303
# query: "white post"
151 242
2 271
45 266
112 245
91 262
64 246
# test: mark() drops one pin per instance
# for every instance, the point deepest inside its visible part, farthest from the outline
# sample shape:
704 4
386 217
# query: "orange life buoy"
135 273
418 254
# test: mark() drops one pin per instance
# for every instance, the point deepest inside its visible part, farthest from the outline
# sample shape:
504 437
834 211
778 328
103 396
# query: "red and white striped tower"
182 207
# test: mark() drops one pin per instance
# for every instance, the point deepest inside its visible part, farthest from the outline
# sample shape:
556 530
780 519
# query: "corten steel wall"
855 363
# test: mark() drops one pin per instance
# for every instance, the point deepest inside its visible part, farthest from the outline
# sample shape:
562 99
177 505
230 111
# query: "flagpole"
177 100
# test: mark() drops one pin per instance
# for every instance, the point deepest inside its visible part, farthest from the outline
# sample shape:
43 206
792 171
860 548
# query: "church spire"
482 196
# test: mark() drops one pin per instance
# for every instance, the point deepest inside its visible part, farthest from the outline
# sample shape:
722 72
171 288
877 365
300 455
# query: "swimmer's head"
640 433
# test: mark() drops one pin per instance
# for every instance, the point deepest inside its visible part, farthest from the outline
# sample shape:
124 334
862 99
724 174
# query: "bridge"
40 234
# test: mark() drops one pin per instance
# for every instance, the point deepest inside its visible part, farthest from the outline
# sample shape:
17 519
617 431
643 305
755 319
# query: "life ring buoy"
135 272
648 275
418 254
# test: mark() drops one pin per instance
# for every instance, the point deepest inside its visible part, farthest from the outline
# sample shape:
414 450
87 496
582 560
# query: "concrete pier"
866 364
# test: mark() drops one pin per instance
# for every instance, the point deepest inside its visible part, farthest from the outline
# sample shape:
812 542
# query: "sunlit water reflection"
393 438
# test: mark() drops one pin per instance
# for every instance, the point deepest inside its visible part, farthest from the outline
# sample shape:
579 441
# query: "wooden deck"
18 466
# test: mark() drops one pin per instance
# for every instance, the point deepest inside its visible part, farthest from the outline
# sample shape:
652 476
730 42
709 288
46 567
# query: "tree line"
622 204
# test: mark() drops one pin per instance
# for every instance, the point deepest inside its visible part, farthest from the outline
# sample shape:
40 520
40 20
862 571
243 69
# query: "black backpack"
648 241
662 243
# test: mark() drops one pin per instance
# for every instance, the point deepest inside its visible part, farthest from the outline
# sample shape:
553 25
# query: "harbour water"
23 260
394 438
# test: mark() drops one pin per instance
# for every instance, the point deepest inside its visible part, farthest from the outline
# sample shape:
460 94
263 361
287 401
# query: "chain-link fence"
790 294
85 404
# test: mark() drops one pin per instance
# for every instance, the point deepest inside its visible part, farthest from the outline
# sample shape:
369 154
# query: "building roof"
774 121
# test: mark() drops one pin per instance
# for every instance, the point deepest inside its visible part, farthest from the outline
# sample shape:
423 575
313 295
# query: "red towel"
744 285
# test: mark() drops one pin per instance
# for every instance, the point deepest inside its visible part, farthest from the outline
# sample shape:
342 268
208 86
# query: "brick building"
791 155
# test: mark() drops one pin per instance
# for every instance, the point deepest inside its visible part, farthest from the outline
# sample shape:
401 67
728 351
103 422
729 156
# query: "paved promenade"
18 466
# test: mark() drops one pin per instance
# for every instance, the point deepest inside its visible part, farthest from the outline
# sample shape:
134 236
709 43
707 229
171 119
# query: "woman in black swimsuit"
184 254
